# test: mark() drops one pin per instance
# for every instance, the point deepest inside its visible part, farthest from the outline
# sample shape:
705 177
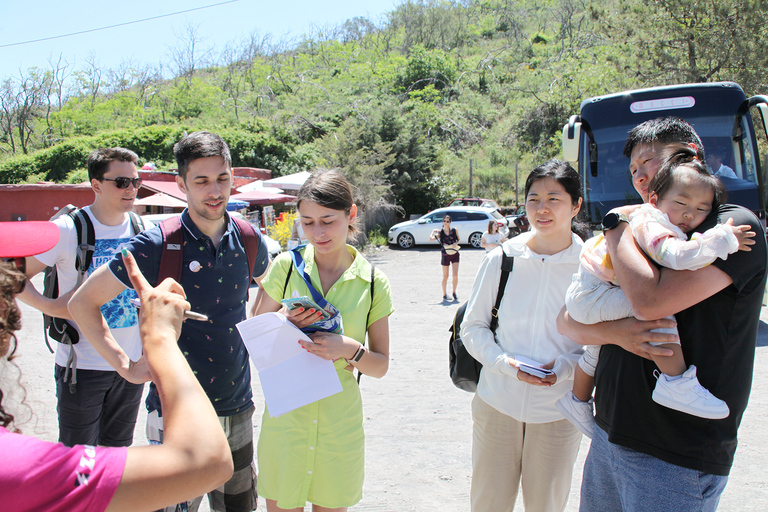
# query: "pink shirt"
39 475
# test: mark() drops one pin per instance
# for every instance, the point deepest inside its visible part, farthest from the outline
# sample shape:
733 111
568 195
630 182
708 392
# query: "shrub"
282 230
377 237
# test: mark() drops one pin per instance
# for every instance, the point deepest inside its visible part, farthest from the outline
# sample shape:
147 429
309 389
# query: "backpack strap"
368 317
250 241
507 262
172 258
86 243
287 277
137 223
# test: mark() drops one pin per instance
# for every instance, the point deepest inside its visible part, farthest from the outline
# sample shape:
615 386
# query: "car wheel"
476 239
405 240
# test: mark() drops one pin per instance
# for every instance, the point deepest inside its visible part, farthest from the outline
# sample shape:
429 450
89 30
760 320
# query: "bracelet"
358 355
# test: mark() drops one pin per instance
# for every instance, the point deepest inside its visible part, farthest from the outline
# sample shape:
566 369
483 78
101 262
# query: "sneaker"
685 394
446 297
455 297
577 412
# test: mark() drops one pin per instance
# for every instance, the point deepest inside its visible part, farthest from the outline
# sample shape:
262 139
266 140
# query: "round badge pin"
195 266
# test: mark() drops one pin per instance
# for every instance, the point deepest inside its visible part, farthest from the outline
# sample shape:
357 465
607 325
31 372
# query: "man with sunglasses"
95 404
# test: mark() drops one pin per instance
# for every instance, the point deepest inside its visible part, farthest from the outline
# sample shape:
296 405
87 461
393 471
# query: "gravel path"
418 426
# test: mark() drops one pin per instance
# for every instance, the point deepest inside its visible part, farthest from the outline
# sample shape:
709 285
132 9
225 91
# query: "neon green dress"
316 453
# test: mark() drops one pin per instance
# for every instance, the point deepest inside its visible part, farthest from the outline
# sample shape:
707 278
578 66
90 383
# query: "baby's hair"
681 161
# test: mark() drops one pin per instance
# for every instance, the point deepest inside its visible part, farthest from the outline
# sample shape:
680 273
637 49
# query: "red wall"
40 201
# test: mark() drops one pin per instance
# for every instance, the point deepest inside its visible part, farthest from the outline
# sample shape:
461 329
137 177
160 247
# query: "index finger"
137 279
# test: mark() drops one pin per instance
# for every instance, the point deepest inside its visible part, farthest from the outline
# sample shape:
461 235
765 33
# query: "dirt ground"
418 426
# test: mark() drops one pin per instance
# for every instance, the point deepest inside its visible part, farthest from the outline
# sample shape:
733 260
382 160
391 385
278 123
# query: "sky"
149 42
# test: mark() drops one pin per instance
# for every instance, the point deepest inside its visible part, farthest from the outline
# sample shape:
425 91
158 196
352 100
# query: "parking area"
418 426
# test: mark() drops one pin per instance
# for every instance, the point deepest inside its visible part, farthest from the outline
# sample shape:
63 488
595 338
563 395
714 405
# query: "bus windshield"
608 184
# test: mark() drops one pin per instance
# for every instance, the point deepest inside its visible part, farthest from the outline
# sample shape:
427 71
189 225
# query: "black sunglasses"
123 182
21 265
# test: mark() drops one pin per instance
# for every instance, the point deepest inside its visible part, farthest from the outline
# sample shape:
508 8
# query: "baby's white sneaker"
685 394
577 412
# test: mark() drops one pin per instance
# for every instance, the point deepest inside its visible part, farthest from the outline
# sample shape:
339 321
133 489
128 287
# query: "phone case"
306 303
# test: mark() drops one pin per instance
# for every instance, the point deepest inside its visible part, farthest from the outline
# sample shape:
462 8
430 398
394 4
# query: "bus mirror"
571 139
763 107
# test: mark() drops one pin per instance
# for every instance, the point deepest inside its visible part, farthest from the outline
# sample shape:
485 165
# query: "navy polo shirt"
216 281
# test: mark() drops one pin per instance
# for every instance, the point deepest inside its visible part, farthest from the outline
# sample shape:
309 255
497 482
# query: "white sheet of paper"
290 376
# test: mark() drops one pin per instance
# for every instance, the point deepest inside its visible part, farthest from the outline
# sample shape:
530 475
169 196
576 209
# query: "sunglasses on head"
123 182
19 264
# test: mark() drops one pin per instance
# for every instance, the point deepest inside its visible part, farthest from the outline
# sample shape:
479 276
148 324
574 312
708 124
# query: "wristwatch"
358 355
612 219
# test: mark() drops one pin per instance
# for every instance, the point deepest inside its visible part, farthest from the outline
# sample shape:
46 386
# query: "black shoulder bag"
465 369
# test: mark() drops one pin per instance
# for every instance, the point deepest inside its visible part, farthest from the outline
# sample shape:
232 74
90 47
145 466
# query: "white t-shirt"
491 239
119 313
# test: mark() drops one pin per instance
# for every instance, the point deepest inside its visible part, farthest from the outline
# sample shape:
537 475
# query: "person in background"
95 403
715 155
316 453
492 238
519 436
37 475
449 254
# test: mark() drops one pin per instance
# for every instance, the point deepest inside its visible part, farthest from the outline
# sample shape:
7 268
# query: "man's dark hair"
665 130
199 145
102 157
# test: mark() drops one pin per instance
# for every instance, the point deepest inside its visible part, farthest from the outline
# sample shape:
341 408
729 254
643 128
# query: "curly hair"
10 321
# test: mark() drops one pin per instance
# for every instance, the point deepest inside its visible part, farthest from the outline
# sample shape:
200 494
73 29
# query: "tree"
188 55
90 79
694 40
22 101
233 80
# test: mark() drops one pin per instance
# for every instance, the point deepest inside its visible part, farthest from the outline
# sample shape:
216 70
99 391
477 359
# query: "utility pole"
470 177
517 202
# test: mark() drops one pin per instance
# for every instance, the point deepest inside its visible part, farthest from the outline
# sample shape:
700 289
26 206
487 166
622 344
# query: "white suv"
470 222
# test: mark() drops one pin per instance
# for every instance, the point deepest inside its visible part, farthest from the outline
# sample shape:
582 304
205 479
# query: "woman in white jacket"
519 435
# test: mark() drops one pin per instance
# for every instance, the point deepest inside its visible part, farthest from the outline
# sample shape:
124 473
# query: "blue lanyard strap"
298 262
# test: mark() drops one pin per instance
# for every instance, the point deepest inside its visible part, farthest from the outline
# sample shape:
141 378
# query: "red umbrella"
263 197
161 200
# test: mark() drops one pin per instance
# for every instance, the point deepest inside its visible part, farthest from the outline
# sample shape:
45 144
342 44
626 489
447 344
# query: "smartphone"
306 303
532 367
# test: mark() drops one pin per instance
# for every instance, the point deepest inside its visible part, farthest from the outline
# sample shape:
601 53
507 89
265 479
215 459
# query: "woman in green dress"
315 453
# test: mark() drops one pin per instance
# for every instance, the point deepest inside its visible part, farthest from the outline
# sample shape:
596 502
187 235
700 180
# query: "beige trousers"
506 452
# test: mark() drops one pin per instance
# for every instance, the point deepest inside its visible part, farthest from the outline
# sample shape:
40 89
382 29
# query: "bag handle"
507 263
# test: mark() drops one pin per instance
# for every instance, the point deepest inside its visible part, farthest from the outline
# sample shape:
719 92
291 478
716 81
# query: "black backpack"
59 329
465 369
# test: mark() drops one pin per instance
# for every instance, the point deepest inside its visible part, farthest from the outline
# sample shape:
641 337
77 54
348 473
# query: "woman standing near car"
492 238
449 254
518 433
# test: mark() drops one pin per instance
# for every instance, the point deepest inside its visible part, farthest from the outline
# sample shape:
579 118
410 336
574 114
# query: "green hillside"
403 106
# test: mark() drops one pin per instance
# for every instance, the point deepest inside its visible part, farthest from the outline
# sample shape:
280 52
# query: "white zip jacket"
533 297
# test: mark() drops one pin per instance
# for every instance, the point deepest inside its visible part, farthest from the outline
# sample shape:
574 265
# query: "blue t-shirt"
216 281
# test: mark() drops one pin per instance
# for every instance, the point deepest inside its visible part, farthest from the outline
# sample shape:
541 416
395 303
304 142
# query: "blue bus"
719 111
